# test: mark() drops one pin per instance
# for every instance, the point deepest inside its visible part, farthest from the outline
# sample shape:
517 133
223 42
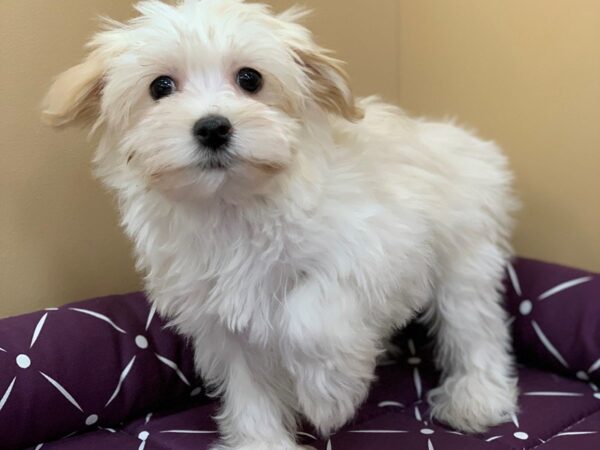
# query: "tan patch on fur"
159 174
331 83
75 95
286 104
167 177
270 168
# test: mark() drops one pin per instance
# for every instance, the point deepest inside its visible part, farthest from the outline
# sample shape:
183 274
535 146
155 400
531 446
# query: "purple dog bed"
106 374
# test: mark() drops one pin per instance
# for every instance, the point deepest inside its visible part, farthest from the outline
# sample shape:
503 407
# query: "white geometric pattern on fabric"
575 433
546 342
582 375
144 435
150 316
414 360
384 404
121 379
525 308
38 330
552 394
62 390
425 431
99 316
167 362
308 435
563 286
23 361
7 393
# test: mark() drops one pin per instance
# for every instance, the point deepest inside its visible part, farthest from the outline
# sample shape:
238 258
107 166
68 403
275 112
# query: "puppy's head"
201 95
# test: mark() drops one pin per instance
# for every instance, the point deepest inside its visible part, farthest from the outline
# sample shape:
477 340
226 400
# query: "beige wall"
59 235
526 74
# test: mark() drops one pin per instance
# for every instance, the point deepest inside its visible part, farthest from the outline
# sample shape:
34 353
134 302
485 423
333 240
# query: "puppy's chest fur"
237 266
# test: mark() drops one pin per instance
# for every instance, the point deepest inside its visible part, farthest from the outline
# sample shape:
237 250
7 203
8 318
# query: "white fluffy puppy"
288 229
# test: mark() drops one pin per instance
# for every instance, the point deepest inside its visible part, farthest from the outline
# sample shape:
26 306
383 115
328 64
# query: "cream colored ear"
75 94
330 83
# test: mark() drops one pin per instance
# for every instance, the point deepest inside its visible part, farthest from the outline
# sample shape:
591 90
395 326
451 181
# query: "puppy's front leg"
330 350
255 414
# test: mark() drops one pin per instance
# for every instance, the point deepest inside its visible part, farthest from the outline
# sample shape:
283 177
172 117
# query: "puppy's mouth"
212 162
214 165
221 159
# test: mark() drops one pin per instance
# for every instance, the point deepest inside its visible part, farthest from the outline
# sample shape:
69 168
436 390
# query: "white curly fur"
290 269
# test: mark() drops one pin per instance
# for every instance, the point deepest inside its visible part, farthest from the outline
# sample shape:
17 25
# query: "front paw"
327 418
329 411
474 403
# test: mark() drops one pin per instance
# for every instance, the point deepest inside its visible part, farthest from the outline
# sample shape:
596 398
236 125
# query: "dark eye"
162 87
249 80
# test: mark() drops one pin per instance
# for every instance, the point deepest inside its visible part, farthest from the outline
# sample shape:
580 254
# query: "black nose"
213 131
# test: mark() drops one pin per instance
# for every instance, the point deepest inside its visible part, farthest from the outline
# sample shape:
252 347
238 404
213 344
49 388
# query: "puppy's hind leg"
478 387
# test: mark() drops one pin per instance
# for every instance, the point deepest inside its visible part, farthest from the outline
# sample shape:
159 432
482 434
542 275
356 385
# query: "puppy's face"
202 96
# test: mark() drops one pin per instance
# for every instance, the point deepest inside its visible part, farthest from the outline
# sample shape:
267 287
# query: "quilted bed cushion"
106 374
